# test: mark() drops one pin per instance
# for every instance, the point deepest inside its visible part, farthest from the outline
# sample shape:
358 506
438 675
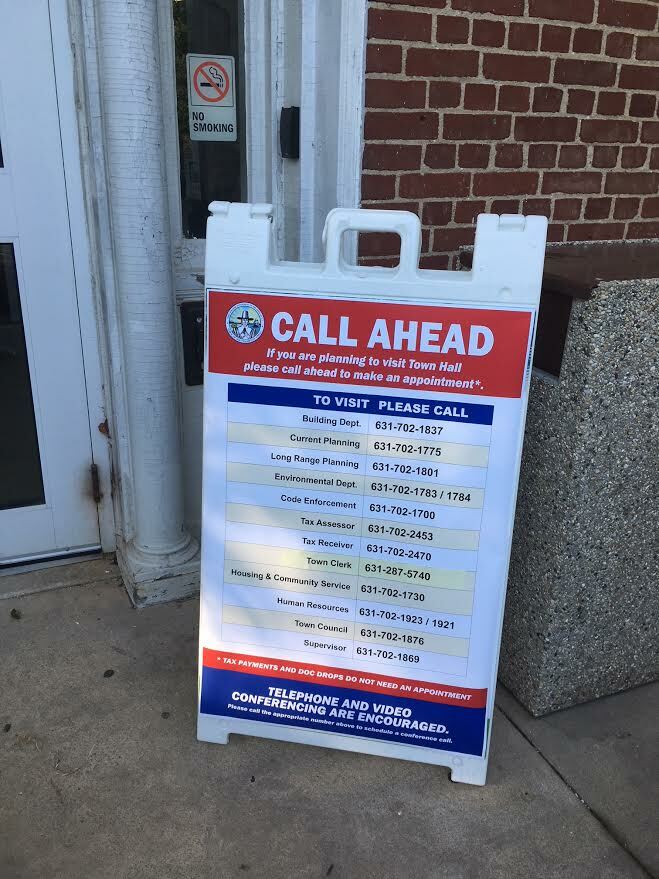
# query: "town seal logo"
244 322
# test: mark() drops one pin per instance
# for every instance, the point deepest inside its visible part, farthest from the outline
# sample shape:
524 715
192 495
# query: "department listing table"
351 533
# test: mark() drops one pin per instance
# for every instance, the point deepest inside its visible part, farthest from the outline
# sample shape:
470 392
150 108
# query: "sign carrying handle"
402 223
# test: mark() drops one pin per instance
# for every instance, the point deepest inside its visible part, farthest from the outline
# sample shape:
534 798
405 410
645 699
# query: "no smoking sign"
211 97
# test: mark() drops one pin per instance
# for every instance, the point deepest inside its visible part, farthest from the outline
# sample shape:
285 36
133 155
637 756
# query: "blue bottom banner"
343 710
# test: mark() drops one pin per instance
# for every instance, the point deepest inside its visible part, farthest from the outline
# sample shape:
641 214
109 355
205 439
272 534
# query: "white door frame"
265 22
330 157
90 321
330 149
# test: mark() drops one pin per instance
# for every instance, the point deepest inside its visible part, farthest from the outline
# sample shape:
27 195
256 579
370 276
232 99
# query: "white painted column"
132 112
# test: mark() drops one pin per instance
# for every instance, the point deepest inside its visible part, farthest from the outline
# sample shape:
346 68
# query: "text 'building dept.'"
360 466
211 97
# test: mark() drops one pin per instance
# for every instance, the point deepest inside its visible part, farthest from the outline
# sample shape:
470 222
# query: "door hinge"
96 483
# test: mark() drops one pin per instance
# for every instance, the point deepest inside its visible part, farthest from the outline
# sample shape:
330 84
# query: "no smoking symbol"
211 82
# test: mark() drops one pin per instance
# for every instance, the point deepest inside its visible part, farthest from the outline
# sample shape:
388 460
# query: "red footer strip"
347 678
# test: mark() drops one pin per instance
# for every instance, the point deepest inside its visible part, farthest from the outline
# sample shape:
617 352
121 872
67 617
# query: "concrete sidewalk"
101 774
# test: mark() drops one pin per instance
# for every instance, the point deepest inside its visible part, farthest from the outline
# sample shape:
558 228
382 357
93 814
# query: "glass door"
46 503
21 477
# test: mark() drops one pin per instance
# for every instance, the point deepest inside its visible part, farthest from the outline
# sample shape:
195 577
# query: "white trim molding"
352 85
64 25
257 100
332 108
82 26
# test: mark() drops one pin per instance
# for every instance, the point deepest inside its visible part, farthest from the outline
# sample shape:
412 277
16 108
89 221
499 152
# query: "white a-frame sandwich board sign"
362 440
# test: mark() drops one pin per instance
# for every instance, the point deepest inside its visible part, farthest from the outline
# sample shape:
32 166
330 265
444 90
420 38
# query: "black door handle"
289 132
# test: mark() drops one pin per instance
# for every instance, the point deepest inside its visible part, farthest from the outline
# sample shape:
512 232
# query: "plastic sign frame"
363 431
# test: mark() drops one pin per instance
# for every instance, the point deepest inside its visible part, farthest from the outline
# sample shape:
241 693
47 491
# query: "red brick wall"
534 106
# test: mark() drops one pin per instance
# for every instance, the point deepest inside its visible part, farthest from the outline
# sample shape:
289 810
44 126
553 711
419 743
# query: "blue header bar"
368 404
